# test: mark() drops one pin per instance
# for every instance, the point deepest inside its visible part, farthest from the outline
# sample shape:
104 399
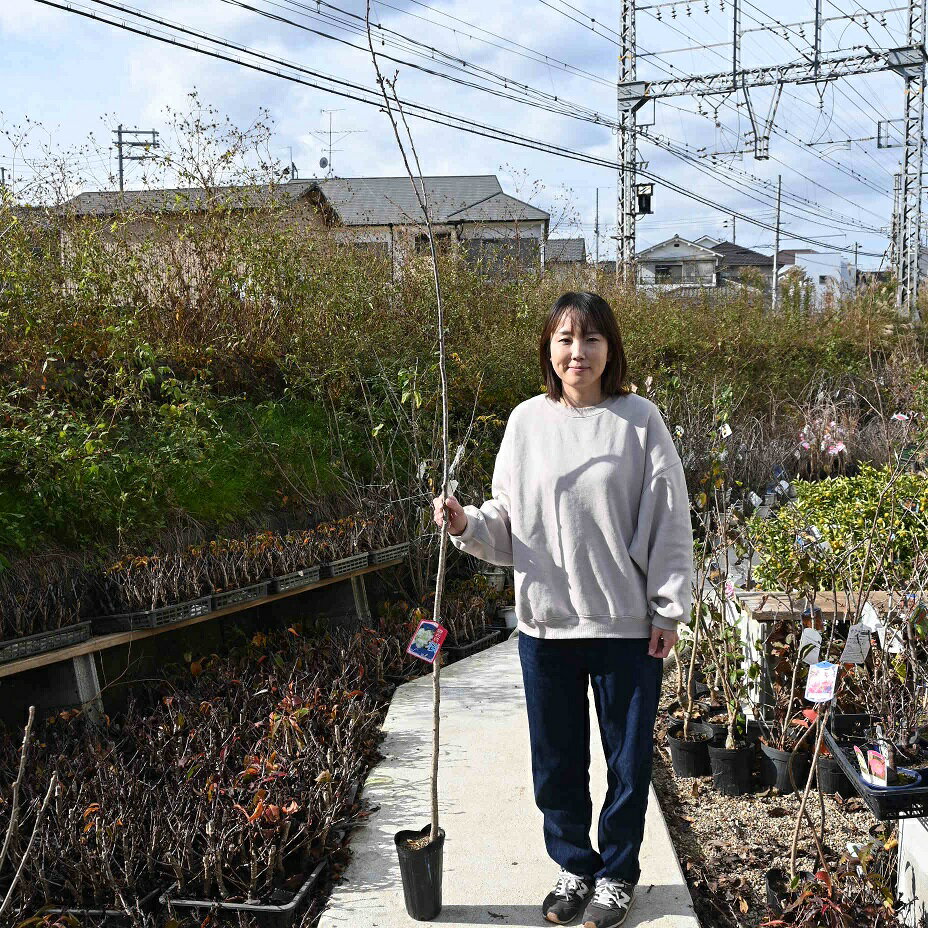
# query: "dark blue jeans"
626 688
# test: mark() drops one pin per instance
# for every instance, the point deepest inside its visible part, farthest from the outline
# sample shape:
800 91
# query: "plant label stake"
869 617
820 686
427 640
891 639
810 645
857 646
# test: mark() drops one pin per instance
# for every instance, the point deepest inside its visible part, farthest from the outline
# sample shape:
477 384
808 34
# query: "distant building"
375 213
829 272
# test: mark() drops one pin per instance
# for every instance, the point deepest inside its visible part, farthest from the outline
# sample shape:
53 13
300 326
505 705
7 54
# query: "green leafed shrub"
873 529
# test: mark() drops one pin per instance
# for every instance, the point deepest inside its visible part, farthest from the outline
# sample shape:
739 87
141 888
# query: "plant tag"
820 686
877 764
724 430
427 640
891 639
452 487
810 645
755 500
861 760
869 618
857 646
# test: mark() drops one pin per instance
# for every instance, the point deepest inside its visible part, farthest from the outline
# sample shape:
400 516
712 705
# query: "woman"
590 508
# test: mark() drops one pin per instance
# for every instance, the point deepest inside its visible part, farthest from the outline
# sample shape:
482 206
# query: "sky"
68 77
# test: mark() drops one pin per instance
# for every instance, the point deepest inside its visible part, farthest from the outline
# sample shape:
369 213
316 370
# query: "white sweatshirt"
590 508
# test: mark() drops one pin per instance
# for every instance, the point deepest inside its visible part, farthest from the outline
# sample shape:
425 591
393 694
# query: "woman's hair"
591 313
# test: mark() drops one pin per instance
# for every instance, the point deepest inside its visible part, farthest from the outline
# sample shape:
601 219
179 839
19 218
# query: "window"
823 278
668 273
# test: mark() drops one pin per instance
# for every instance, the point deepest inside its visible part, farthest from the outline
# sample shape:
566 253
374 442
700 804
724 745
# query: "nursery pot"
774 769
690 758
831 778
421 870
731 768
778 892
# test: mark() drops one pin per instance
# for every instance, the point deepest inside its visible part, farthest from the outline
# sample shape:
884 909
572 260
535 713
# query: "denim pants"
626 689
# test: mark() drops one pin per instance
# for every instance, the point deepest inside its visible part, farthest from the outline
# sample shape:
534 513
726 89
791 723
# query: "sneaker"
566 901
610 903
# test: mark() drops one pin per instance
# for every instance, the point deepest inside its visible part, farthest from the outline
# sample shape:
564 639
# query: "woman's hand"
662 642
457 522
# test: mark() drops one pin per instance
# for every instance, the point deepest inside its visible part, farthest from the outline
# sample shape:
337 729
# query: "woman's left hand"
662 642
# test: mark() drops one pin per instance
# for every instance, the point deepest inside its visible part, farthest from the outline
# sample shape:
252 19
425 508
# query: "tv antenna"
330 136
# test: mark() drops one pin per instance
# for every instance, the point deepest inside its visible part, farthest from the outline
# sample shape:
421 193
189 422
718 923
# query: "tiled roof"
565 250
357 201
737 256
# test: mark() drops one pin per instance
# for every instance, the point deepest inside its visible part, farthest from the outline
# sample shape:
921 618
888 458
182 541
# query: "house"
565 251
705 262
677 263
381 214
829 272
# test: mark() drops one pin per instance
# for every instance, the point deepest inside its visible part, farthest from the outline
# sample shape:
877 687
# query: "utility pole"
908 61
856 271
627 156
140 138
596 228
3 178
734 231
776 246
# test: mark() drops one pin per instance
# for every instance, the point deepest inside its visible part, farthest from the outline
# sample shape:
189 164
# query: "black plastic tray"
459 651
153 618
244 594
14 649
271 916
382 555
886 805
347 565
110 918
296 580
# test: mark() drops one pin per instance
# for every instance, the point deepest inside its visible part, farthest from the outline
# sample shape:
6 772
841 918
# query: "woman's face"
578 360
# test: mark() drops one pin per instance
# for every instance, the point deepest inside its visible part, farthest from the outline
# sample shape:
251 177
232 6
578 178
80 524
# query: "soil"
725 844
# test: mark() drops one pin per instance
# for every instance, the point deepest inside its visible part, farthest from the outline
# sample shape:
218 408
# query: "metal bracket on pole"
762 133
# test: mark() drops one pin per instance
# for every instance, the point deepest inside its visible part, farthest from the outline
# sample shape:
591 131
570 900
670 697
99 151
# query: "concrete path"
496 869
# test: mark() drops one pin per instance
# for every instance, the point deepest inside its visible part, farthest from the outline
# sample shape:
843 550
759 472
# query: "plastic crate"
112 918
347 565
459 651
268 916
244 594
886 805
297 579
153 618
391 553
13 649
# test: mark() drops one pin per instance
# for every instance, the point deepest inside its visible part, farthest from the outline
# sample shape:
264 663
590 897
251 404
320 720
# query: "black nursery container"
832 779
690 758
774 769
421 871
731 769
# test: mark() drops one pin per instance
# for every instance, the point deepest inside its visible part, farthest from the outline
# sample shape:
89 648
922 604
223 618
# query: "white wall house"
676 264
830 273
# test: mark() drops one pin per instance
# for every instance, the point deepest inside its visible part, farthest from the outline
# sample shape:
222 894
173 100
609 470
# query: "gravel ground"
725 844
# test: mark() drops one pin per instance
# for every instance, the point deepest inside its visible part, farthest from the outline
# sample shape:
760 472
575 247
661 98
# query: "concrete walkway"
496 869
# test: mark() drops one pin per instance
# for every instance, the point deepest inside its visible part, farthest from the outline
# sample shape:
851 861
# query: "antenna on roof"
326 135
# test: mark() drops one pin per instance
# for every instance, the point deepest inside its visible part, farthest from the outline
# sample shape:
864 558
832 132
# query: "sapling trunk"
422 197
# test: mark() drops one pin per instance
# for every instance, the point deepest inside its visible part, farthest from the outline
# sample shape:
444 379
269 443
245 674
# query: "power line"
428 114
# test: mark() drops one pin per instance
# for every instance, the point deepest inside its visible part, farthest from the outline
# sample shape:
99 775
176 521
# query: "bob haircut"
592 314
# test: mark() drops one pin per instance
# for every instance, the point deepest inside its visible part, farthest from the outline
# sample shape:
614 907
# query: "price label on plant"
858 645
810 645
820 685
427 640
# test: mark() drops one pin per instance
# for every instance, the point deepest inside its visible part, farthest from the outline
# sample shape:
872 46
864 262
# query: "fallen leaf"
778 812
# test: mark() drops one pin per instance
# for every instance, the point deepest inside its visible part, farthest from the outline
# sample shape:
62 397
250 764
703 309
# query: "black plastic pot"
731 769
690 758
774 768
778 892
831 778
421 872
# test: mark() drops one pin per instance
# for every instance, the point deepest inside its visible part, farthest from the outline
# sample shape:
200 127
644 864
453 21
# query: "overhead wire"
430 114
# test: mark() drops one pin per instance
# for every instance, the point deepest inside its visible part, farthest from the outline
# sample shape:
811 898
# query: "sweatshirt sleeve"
662 545
488 535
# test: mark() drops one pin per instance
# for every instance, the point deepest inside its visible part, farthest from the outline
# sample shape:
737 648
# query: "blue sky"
74 77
